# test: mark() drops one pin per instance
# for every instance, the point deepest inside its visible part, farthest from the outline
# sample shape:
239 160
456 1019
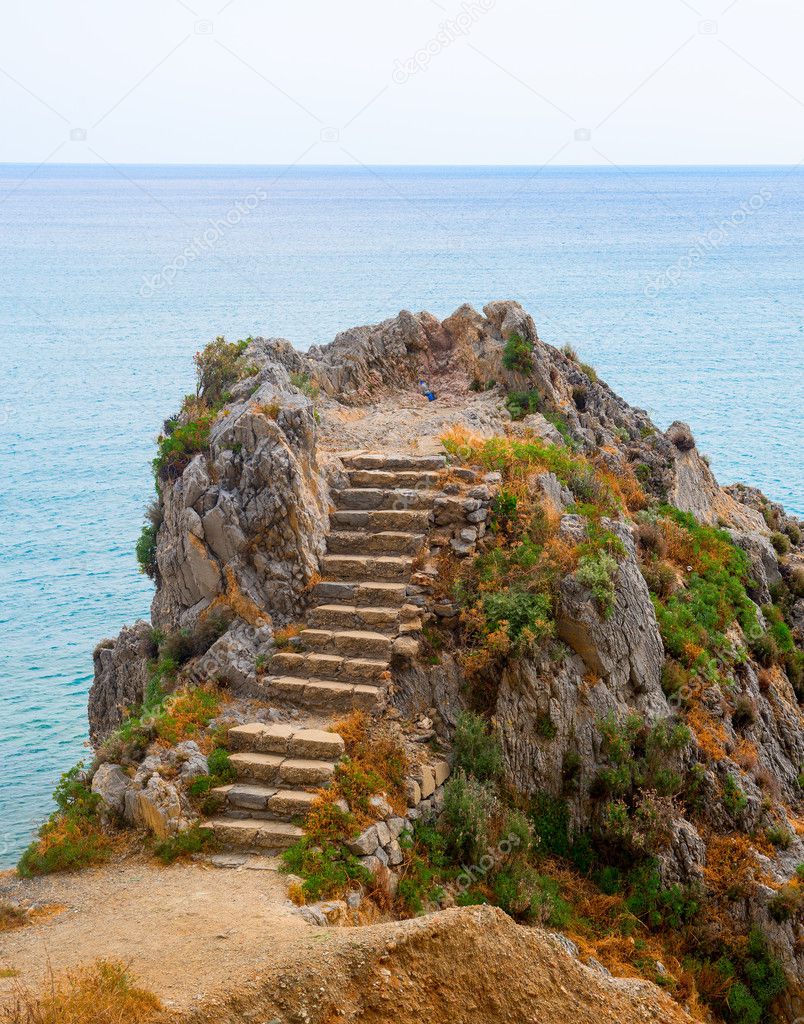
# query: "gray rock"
365 844
313 915
121 676
157 808
764 563
110 783
397 826
372 863
394 851
380 807
625 647
383 833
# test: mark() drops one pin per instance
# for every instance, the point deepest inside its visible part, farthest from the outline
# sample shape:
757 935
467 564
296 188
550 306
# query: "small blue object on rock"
425 390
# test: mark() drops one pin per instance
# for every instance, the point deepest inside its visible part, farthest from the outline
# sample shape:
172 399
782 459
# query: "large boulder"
111 784
157 808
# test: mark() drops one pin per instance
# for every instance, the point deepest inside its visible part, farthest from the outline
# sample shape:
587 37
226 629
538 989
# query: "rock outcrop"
318 496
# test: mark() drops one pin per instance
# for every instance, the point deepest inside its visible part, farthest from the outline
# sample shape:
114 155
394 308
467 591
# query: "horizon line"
452 166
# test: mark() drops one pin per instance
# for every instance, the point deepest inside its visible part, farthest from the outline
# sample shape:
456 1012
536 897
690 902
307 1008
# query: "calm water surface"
682 286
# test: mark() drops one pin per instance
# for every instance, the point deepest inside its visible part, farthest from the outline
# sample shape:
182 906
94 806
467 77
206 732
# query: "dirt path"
186 930
224 947
417 424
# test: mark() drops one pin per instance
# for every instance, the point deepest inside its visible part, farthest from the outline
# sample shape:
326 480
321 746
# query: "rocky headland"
512 646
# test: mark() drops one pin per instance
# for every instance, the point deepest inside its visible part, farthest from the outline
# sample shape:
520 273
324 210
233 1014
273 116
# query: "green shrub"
528 896
518 355
674 678
656 906
473 816
218 368
146 551
476 750
327 869
754 979
545 726
176 450
560 422
303 382
522 403
780 542
779 836
596 572
503 511
696 618
184 844
529 617
72 837
734 799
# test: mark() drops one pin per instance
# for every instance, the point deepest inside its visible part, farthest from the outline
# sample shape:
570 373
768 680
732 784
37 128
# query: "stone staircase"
341 660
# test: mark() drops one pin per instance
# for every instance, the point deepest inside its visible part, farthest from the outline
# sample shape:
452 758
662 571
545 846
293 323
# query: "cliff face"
242 524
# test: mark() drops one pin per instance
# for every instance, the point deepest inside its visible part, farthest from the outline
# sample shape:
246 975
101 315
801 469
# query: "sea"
683 286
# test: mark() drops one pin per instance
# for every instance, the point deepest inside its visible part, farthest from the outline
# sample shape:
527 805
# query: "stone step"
264 802
249 833
379 595
330 666
388 542
367 567
350 643
372 460
344 616
393 478
263 738
379 520
371 499
282 771
329 694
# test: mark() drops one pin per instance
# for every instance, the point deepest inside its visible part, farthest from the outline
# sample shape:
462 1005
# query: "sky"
403 82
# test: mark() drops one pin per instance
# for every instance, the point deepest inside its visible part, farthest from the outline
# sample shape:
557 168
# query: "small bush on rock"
476 751
72 837
184 844
518 355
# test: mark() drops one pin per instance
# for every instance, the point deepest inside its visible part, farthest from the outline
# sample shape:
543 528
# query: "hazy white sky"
403 81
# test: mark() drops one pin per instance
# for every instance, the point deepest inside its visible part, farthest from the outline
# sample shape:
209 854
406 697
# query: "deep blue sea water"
112 278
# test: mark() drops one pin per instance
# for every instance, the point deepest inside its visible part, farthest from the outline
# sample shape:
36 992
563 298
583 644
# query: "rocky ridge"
275 522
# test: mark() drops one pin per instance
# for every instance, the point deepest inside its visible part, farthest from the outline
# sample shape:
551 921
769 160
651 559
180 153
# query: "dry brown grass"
375 751
731 864
102 993
709 732
11 916
283 636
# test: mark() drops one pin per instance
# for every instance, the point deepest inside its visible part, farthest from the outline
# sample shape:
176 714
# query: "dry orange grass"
731 864
745 755
458 440
709 732
12 916
374 750
283 636
102 993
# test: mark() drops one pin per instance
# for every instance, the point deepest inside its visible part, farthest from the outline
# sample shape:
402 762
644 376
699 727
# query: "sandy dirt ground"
185 930
222 946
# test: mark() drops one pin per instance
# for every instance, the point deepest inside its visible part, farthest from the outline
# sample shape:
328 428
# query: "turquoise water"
101 314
